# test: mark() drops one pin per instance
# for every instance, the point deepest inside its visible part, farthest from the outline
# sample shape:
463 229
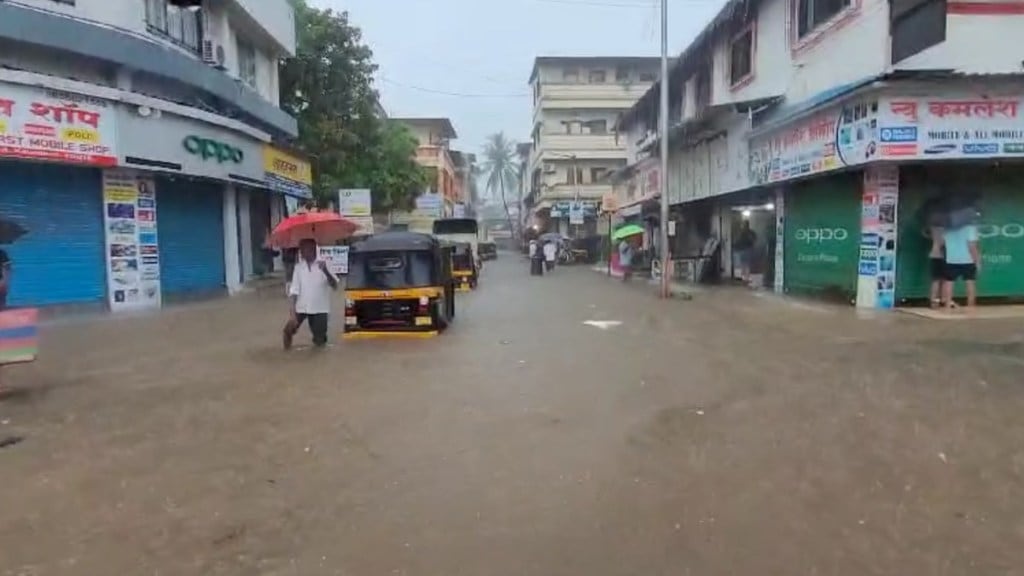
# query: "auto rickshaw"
399 284
464 267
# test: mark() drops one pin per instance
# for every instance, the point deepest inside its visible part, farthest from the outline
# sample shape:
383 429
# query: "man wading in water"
310 294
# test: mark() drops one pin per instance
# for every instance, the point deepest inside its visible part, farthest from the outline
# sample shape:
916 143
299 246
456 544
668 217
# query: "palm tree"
501 168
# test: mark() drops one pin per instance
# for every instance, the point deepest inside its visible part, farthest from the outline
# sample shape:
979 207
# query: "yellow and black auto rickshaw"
464 268
399 284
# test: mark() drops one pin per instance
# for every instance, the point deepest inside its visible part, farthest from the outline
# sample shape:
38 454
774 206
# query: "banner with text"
951 127
38 124
132 249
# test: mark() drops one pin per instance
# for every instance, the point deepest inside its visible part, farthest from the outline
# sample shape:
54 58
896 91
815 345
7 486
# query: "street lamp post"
666 290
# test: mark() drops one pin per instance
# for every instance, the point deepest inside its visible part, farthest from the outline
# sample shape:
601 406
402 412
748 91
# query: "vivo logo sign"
810 235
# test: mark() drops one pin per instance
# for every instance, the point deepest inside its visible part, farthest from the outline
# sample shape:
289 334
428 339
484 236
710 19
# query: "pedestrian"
536 259
963 261
626 259
310 293
937 265
5 278
550 251
743 250
5 283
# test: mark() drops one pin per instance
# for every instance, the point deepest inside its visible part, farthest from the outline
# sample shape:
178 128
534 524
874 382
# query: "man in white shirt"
310 295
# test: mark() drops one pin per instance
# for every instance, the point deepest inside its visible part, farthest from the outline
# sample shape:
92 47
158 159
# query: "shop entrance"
752 233
1000 204
259 233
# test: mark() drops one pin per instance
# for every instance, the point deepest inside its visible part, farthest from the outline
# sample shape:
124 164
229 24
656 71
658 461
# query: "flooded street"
730 434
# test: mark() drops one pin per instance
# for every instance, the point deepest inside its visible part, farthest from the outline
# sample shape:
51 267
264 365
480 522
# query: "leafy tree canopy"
500 169
328 87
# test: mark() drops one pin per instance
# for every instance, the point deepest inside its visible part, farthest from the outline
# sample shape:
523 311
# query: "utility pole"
666 286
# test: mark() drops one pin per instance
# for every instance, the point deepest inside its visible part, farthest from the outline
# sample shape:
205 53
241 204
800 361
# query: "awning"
704 126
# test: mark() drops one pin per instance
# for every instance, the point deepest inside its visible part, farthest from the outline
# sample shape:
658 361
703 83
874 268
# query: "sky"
470 60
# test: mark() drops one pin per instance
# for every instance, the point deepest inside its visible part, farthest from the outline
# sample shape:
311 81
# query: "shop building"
130 196
831 165
575 147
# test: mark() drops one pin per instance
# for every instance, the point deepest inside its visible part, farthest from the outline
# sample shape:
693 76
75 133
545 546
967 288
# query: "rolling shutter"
190 228
60 260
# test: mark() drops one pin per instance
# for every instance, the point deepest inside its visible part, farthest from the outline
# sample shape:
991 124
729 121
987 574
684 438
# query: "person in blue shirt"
963 261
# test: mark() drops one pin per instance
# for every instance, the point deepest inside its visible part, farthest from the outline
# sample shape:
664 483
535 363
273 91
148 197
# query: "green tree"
500 168
328 87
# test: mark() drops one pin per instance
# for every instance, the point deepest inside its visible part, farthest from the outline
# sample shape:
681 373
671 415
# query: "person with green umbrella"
625 237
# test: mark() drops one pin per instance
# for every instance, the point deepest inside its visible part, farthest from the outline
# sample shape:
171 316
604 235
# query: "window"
741 56
810 14
702 91
598 174
597 77
648 77
574 176
915 26
246 62
571 75
178 24
595 127
621 74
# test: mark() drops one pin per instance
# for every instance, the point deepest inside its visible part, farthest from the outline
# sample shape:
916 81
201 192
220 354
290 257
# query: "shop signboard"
38 124
876 273
841 136
822 236
576 214
287 173
170 143
355 202
564 208
356 205
459 211
951 127
429 206
132 248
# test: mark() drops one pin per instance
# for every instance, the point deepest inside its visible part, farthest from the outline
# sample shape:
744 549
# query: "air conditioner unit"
549 168
213 53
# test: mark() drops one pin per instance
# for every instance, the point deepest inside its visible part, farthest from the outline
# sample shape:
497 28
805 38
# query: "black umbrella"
10 231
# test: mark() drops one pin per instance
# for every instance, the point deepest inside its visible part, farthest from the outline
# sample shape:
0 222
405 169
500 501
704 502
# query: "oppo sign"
811 235
1012 230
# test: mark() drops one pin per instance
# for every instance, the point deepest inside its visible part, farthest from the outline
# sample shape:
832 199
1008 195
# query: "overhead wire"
447 93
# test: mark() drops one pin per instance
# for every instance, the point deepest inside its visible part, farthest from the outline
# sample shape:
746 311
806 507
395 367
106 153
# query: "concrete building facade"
142 147
434 136
576 104
829 126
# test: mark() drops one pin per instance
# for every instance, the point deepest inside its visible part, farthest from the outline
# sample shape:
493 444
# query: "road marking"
603 324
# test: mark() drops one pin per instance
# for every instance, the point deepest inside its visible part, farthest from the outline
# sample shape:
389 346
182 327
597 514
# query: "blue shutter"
190 229
60 260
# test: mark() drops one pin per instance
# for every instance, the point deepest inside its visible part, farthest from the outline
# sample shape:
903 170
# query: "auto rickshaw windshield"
391 270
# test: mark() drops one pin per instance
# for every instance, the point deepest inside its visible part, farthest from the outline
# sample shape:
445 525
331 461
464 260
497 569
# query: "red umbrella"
324 227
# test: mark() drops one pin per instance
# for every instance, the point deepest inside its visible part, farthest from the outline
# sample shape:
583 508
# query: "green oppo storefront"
1000 190
822 235
822 230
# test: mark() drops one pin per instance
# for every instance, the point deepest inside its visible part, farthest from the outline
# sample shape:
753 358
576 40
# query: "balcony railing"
588 191
576 142
626 92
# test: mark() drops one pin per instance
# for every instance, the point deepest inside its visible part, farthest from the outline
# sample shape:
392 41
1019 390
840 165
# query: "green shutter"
822 232
1001 226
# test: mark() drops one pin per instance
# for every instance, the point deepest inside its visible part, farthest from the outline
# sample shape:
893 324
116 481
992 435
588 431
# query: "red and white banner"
39 124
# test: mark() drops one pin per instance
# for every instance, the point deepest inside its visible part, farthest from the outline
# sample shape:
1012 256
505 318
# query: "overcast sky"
470 60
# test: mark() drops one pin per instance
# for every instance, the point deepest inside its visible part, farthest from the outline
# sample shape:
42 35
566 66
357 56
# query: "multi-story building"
465 187
137 146
576 103
434 136
834 128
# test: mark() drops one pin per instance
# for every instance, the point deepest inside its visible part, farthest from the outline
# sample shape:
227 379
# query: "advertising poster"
336 258
942 128
780 242
876 272
829 140
576 213
132 249
38 124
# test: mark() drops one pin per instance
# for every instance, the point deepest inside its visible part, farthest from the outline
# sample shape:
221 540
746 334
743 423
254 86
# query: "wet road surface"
730 434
